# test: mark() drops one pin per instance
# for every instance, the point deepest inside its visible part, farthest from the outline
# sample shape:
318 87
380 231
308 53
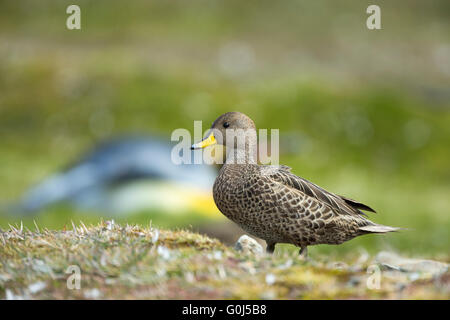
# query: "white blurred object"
126 175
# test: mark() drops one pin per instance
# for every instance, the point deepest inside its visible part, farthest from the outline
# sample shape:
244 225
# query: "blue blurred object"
122 175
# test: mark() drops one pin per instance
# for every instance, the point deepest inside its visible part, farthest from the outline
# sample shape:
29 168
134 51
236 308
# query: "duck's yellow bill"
210 140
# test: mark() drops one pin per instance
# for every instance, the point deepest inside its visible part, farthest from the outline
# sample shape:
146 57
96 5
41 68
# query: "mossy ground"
135 262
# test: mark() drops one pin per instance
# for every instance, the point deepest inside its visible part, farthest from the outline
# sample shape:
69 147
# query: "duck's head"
231 125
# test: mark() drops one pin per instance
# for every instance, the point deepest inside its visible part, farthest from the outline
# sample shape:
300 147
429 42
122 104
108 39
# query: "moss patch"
135 262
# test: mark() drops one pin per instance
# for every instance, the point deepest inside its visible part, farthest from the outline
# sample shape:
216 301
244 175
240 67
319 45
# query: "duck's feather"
357 204
340 205
378 228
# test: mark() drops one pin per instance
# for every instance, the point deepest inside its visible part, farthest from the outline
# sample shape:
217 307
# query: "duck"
272 203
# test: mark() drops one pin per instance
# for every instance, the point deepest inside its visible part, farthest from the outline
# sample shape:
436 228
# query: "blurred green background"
361 113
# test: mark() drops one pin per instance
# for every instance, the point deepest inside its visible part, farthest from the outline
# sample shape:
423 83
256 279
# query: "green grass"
134 262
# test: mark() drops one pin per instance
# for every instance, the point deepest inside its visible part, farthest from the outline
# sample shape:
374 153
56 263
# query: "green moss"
133 262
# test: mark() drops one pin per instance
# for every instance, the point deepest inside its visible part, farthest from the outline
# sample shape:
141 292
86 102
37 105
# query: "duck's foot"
304 252
270 247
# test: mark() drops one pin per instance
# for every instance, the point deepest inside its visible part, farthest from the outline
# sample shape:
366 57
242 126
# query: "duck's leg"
304 252
270 247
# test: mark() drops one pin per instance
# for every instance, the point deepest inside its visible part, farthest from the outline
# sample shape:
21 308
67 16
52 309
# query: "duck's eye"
226 124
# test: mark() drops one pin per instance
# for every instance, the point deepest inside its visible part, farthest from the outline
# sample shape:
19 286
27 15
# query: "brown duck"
274 204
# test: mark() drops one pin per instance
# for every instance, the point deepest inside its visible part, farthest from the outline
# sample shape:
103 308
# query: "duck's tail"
378 228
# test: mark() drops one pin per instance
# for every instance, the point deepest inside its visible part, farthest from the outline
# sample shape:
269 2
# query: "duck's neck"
242 156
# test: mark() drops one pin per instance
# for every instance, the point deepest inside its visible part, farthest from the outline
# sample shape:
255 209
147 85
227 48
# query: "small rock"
36 287
414 276
285 265
338 265
217 255
92 294
164 252
222 272
248 245
414 266
248 266
270 279
11 296
189 277
155 236
400 286
110 224
391 267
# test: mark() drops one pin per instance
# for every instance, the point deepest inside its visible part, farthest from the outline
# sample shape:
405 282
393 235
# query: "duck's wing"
340 205
356 204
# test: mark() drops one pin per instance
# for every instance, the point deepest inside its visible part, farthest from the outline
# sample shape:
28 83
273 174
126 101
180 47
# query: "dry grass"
133 262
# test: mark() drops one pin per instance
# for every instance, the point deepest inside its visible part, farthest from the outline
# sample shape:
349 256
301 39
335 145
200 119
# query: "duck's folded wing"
338 204
358 205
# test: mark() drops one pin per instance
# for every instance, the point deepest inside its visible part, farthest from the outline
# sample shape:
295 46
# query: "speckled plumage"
272 203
